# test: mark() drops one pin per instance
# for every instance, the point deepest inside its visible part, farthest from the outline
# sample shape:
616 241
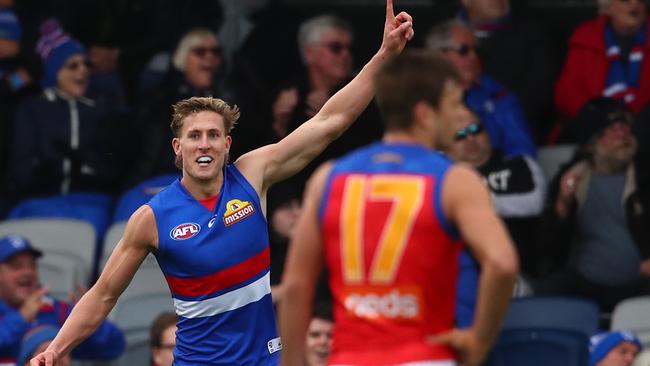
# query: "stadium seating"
633 314
546 331
64 242
539 347
551 158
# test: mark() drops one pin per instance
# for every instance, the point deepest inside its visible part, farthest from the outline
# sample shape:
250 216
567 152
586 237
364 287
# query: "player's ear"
176 145
228 143
423 112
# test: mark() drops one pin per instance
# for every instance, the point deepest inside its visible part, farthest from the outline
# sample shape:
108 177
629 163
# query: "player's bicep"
467 202
139 236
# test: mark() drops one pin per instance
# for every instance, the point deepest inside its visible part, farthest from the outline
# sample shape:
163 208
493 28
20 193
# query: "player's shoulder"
141 226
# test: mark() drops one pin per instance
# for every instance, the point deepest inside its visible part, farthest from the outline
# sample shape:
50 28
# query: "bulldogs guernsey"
391 254
217 268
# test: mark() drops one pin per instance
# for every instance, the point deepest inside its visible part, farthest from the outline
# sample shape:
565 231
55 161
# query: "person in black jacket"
61 137
594 235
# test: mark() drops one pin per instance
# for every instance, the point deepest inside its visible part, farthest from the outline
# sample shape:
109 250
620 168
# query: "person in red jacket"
608 56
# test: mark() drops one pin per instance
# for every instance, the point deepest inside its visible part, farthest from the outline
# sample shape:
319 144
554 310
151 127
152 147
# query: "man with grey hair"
325 43
499 110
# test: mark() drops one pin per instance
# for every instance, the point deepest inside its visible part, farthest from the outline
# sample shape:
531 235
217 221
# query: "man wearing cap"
618 348
25 304
593 232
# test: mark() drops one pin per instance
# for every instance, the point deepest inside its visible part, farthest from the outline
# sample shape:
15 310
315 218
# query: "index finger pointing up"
389 9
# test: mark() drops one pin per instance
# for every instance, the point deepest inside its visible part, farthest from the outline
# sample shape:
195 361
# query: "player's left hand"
397 31
470 350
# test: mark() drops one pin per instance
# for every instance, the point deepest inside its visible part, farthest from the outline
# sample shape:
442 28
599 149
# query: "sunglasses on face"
337 47
74 65
203 51
463 49
471 130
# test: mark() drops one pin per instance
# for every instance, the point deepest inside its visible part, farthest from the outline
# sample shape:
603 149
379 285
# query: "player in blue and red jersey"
389 221
208 230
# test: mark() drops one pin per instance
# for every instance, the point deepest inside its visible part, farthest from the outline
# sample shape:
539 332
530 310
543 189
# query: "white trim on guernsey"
229 301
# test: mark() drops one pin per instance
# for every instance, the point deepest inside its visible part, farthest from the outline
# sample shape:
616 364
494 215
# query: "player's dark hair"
412 77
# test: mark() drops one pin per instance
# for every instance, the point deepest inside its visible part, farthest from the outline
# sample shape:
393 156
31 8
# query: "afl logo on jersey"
237 210
185 231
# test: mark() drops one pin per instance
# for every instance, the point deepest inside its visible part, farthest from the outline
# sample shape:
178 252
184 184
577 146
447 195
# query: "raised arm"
466 202
95 305
275 162
304 264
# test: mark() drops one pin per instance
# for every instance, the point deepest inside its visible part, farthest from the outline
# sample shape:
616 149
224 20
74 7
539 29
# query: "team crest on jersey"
237 210
185 231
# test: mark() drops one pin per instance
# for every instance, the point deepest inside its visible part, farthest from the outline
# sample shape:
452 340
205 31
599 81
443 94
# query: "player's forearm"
295 310
495 291
84 319
344 107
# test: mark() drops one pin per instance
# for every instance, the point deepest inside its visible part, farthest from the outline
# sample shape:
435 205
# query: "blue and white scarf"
623 78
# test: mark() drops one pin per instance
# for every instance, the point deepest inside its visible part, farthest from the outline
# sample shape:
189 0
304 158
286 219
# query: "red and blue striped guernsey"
217 267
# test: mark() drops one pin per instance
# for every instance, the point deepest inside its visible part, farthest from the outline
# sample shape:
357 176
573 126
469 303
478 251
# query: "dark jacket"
556 234
62 145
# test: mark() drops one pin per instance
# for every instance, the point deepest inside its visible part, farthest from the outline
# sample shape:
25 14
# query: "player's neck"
200 188
405 137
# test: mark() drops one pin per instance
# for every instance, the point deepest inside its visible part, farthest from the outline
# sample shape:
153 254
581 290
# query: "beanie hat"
596 115
55 47
34 338
601 343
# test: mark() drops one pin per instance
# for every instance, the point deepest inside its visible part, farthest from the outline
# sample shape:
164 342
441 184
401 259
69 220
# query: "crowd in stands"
85 108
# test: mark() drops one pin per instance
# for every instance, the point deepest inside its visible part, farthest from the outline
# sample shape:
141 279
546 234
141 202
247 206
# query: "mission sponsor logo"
394 303
237 210
185 231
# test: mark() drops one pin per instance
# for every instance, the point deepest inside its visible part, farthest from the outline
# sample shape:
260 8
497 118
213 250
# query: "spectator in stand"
61 132
518 189
318 344
36 341
24 304
162 336
594 235
15 83
498 109
531 64
196 61
325 43
517 185
608 56
617 348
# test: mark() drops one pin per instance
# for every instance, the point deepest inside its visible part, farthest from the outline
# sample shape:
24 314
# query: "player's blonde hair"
187 107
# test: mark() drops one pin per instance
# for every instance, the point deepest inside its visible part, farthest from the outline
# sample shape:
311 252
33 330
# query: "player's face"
450 114
73 76
18 278
621 355
164 355
319 342
203 145
61 361
331 57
